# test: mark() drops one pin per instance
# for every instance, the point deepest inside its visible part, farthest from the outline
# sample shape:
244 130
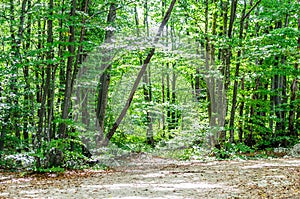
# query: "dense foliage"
222 73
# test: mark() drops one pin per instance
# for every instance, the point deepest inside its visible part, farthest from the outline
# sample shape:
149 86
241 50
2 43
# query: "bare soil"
143 176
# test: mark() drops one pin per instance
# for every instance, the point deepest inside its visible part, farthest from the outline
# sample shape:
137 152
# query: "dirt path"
145 177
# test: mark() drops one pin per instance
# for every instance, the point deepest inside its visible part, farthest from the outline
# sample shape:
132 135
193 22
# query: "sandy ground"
149 177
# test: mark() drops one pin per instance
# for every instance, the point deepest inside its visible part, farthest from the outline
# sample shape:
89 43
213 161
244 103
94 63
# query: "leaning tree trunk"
140 75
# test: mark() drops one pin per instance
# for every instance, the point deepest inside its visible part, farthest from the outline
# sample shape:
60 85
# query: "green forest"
186 78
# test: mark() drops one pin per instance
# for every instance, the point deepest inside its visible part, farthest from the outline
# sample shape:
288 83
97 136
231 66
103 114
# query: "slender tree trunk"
40 77
69 70
49 86
167 86
79 60
278 95
197 85
61 64
28 97
105 79
163 100
210 85
241 113
174 119
147 86
249 139
168 96
163 5
4 124
235 87
228 52
294 88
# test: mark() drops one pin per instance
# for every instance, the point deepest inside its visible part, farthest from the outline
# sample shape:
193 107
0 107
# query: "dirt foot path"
145 177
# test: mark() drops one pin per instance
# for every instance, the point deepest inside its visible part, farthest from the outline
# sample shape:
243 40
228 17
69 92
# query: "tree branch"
249 12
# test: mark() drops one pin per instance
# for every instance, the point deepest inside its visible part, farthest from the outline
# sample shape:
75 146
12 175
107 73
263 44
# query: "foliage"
213 68
230 150
17 161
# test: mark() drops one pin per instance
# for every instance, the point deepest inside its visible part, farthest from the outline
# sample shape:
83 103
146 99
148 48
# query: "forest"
188 79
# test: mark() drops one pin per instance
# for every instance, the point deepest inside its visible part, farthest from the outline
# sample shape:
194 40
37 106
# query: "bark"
28 97
40 75
241 113
235 87
279 87
167 91
249 139
227 52
140 75
215 86
171 88
174 112
163 100
104 79
61 64
147 86
49 86
85 117
3 125
168 96
69 70
197 85
80 93
163 6
210 85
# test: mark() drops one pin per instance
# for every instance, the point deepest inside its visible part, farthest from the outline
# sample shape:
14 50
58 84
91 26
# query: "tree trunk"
163 100
241 113
61 64
174 120
237 68
249 139
40 77
104 79
147 86
3 125
69 70
294 88
215 86
28 97
49 86
278 95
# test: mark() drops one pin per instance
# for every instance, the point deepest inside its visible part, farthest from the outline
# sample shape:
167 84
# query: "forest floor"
145 176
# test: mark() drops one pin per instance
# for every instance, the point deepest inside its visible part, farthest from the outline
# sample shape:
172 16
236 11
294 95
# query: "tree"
105 77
